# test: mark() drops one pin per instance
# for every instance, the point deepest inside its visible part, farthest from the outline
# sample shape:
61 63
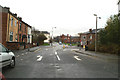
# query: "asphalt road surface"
56 62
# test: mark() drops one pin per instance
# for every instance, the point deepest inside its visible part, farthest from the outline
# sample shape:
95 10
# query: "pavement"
97 54
45 62
26 50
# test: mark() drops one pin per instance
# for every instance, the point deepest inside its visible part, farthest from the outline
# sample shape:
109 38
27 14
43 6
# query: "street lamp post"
52 34
96 32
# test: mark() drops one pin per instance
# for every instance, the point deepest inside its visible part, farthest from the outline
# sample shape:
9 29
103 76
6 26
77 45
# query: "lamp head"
95 14
99 17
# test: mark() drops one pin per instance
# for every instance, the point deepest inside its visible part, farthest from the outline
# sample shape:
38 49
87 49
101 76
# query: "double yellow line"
37 50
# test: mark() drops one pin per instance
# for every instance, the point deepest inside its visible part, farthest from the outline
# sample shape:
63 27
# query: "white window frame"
15 22
11 21
11 34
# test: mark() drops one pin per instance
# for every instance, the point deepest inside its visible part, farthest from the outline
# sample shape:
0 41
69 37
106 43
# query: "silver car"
6 57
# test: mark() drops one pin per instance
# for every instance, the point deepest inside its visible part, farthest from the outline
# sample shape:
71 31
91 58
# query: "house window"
84 37
90 42
20 26
15 22
11 36
11 21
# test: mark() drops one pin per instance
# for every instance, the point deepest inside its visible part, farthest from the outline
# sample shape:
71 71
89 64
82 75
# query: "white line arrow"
76 57
40 58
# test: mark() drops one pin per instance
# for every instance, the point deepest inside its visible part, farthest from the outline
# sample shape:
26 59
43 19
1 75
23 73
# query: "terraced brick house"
13 30
65 39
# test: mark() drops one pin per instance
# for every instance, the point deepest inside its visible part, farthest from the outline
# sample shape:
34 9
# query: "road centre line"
21 59
57 56
46 49
38 56
22 54
55 53
76 57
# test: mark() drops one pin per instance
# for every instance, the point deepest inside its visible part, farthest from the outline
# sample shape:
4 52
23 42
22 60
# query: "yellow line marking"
37 50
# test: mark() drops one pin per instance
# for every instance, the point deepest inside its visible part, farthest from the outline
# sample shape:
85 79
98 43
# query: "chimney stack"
6 9
90 30
20 18
15 14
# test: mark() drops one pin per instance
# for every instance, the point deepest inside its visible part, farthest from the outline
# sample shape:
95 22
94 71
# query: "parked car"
7 57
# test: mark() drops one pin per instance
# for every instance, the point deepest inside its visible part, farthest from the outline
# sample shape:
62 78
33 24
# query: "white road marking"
17 56
57 56
64 49
40 58
51 54
55 53
74 49
76 57
21 59
22 54
46 49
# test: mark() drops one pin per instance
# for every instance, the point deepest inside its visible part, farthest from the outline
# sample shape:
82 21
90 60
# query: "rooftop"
45 32
7 10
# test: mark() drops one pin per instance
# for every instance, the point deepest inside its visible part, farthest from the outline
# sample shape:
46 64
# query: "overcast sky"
69 16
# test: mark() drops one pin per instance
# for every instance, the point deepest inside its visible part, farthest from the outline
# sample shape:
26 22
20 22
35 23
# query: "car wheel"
12 64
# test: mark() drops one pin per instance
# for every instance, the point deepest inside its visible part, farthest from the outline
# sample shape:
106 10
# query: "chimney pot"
20 18
90 30
15 14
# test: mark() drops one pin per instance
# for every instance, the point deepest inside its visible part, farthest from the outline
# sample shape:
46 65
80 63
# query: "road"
56 62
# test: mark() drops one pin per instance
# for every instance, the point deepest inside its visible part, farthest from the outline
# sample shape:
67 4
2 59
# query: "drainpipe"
8 26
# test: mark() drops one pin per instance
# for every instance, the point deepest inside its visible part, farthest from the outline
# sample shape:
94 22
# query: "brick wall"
3 29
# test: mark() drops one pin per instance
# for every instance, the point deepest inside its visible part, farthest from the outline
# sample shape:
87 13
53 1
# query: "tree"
111 32
41 37
37 37
109 38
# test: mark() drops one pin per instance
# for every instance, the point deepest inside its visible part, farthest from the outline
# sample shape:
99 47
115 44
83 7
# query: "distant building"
65 39
75 39
57 39
47 34
88 37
